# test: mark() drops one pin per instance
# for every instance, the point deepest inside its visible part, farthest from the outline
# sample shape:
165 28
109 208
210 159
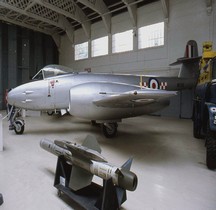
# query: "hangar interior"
29 30
169 162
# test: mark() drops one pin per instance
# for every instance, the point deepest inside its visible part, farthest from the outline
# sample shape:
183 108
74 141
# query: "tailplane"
190 61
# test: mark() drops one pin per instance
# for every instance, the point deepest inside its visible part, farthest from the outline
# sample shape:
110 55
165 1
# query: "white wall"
187 20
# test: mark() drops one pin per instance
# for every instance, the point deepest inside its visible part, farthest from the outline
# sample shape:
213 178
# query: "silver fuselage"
75 92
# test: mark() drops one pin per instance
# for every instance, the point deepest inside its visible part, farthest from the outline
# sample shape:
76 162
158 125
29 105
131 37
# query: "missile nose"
127 180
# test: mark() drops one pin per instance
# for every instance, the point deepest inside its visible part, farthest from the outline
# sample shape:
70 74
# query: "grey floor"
169 163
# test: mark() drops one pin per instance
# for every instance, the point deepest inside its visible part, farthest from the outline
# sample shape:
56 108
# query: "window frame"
131 47
75 54
93 44
142 45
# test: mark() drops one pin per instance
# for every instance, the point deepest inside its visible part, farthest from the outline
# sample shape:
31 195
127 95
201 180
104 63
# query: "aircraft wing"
185 60
136 98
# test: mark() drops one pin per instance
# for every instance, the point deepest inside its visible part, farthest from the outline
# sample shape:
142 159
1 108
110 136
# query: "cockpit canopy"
51 71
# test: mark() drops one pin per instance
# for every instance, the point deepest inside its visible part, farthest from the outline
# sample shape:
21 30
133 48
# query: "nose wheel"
16 122
19 127
109 129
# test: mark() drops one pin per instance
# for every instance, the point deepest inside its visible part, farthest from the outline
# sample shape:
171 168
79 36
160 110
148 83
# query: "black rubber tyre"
196 123
19 128
1 199
50 113
210 149
94 123
110 132
196 130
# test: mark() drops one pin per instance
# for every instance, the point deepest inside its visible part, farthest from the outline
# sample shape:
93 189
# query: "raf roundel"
153 83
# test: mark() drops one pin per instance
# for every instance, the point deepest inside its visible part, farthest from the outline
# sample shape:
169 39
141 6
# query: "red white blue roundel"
153 83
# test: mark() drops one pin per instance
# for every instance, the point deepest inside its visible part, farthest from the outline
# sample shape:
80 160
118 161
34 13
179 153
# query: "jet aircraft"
101 97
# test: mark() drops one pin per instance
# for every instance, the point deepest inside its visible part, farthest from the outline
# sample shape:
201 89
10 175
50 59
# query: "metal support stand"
94 196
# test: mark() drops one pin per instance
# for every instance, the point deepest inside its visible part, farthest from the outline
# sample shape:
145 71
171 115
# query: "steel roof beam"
37 17
55 36
209 6
57 39
99 7
30 5
132 9
68 28
22 24
69 9
165 7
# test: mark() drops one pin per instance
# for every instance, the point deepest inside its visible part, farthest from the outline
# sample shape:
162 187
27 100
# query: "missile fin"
127 164
79 178
91 143
61 143
121 195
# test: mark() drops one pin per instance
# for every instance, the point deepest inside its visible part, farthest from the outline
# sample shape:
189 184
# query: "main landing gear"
109 129
16 122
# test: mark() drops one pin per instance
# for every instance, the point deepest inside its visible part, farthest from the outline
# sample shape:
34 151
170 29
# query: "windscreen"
51 71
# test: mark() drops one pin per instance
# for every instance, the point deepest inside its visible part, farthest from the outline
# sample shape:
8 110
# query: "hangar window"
81 51
122 42
100 46
151 35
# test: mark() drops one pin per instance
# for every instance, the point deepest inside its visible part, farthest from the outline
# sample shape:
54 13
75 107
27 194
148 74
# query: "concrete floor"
169 163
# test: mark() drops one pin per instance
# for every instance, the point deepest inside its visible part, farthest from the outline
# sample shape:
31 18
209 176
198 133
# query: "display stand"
94 196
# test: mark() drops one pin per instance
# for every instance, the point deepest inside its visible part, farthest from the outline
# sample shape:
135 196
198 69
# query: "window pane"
122 42
151 35
100 46
81 51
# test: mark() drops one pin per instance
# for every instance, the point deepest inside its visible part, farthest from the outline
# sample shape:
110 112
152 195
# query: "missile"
87 161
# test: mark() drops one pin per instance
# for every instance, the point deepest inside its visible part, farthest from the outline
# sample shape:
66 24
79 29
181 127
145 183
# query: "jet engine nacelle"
82 99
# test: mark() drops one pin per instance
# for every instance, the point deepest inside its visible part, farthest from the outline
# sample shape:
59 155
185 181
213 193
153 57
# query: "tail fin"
127 164
92 143
190 61
191 50
79 178
121 193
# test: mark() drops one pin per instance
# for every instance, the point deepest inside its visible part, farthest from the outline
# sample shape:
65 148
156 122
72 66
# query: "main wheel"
196 130
196 123
19 127
94 123
109 129
50 113
210 148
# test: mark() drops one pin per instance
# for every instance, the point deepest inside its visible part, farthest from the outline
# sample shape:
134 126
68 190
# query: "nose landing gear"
16 122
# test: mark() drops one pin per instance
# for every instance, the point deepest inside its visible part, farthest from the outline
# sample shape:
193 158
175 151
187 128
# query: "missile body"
87 161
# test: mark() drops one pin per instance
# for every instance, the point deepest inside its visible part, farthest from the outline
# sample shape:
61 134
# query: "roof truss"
57 17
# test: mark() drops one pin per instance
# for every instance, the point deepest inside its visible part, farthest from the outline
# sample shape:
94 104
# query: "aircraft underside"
108 118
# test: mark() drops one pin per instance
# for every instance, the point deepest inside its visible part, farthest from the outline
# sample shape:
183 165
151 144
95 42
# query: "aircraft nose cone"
15 97
11 97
